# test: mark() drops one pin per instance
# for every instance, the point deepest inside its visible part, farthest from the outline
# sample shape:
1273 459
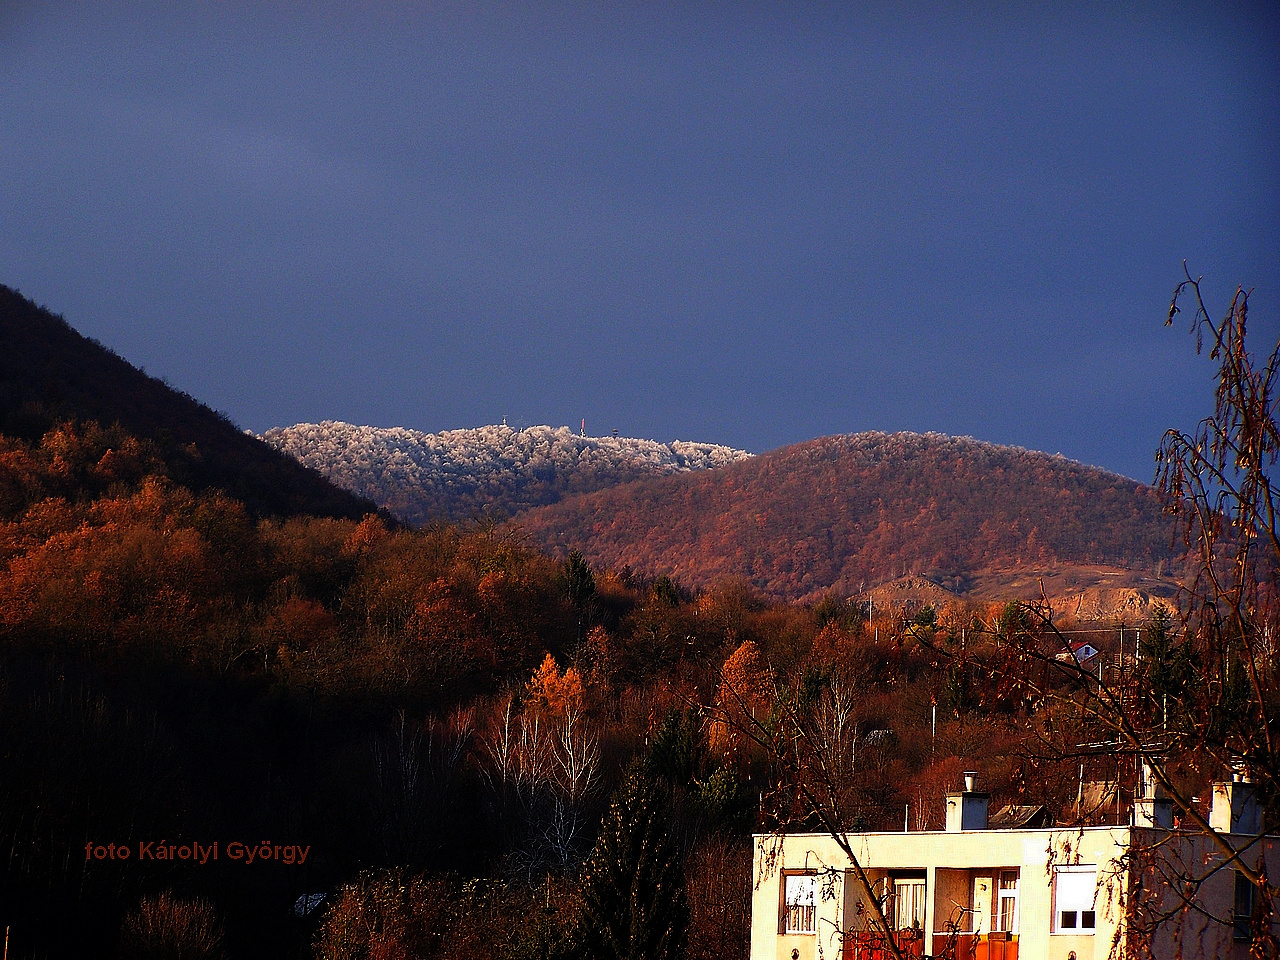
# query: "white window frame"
1006 893
918 898
799 902
1070 898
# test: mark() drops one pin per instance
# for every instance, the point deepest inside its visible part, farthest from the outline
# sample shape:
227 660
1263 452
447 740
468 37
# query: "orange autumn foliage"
742 700
552 693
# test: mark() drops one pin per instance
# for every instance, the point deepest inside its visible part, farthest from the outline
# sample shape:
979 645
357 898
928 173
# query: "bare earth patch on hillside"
1076 592
1081 591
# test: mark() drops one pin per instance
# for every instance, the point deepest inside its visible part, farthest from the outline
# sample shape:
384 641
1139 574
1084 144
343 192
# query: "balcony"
965 946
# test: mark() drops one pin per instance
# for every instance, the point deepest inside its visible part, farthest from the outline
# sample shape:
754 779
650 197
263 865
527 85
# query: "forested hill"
458 474
846 512
49 374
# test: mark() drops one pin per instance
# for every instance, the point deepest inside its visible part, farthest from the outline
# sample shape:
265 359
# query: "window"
1074 889
1242 914
1007 908
800 892
908 904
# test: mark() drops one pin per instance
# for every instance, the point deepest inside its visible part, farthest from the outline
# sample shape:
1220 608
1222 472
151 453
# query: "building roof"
1021 817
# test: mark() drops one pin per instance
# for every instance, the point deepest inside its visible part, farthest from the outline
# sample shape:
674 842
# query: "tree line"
446 702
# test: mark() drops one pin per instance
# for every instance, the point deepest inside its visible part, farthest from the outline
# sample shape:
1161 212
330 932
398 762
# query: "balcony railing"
966 946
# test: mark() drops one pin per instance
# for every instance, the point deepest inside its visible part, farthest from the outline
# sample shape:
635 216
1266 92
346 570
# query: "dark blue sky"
744 223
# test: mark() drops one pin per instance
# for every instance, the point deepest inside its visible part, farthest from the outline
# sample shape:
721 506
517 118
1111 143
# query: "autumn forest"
201 642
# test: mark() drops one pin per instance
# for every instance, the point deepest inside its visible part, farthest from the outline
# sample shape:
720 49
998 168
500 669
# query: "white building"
977 893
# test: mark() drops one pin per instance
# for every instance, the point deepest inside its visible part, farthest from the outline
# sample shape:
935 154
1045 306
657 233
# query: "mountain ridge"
455 475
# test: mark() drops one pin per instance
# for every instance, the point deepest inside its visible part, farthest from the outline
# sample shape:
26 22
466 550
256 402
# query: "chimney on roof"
967 810
1151 807
1234 808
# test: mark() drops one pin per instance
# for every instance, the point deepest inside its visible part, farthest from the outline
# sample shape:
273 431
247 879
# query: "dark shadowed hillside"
49 373
847 512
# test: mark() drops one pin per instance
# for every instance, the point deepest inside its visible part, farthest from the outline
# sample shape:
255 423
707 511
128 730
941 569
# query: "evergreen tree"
633 895
580 585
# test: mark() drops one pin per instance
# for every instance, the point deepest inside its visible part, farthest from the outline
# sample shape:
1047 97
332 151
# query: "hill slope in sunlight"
846 512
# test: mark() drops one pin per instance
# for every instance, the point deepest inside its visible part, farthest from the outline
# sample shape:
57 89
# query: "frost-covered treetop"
460 473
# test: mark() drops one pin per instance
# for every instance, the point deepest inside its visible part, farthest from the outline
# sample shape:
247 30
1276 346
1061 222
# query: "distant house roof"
1082 651
307 903
1021 817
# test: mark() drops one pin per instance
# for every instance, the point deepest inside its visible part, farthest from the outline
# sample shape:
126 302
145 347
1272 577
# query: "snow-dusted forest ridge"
497 470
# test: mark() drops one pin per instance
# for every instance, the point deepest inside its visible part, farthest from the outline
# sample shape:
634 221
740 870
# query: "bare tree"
1201 698
1199 702
166 927
415 768
1218 482
718 883
811 744
543 772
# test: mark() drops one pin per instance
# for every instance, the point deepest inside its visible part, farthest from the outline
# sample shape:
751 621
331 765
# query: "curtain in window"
801 896
908 898
1074 890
